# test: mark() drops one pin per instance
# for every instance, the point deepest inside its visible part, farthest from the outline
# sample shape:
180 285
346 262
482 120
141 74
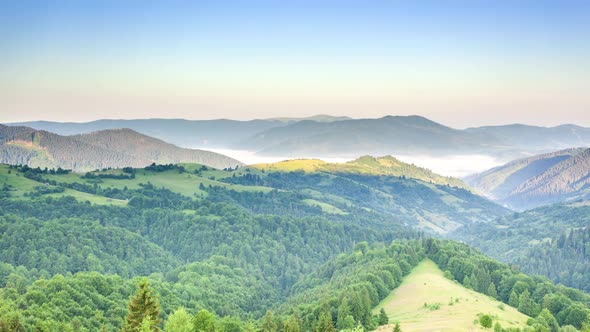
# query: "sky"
461 63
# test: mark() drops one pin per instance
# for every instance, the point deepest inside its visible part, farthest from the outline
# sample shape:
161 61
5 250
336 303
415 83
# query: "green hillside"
401 199
550 241
449 305
539 180
258 249
368 165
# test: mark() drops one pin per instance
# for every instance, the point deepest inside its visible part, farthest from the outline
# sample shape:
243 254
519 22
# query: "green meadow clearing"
458 306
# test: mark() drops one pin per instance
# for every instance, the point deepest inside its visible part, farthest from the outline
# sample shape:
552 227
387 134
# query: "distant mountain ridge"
324 136
100 149
539 180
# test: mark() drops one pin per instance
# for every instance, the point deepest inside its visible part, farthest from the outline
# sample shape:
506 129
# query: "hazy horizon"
294 117
460 64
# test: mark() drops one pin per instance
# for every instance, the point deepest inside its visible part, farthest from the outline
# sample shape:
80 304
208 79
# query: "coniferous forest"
249 250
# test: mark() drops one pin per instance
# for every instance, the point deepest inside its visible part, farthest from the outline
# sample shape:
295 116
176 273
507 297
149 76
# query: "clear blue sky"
458 62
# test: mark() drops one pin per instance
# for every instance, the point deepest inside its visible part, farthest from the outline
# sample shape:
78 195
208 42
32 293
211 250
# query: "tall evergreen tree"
383 319
525 303
268 323
492 290
513 300
343 312
325 323
292 325
143 304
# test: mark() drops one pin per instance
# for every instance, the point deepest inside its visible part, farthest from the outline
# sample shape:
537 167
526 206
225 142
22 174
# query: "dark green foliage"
528 294
383 319
236 255
268 323
485 321
551 241
492 290
143 310
353 284
204 321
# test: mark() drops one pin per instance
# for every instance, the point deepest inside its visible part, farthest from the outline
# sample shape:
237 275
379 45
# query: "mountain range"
329 136
539 180
95 150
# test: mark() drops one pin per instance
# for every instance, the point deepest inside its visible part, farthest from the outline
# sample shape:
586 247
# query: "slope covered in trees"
551 241
538 180
399 199
248 246
97 150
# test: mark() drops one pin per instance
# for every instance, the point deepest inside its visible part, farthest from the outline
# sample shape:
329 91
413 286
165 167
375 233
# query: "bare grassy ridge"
414 304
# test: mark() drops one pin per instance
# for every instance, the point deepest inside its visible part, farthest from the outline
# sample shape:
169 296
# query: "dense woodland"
229 259
551 241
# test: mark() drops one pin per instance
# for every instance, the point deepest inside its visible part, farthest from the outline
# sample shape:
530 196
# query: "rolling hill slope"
458 306
388 135
409 194
539 180
368 165
220 133
103 149
550 240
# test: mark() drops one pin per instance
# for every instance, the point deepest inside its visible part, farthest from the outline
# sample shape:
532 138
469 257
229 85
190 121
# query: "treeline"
217 255
564 259
348 288
551 241
342 293
398 196
533 296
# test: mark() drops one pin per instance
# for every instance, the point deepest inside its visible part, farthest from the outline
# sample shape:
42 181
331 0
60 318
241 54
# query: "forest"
229 258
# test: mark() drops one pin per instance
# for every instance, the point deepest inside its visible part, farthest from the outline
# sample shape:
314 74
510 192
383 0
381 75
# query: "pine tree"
343 312
268 323
383 319
513 300
293 323
467 282
142 305
325 324
492 290
525 303
474 282
397 328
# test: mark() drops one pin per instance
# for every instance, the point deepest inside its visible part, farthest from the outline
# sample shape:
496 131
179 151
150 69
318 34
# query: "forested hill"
102 149
258 250
367 165
552 241
538 180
